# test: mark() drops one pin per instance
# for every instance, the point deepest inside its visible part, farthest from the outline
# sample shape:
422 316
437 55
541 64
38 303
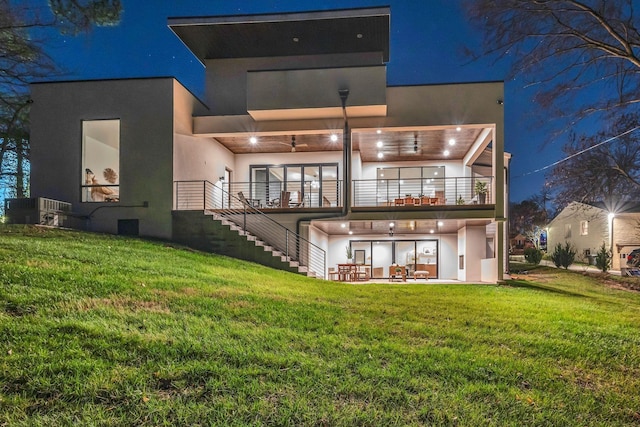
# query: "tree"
608 173
567 47
22 60
14 147
22 56
529 219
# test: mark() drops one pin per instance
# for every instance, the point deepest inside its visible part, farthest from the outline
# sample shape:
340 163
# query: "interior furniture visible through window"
404 185
309 185
100 178
421 255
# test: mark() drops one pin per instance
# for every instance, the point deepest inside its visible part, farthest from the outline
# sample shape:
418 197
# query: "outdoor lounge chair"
251 203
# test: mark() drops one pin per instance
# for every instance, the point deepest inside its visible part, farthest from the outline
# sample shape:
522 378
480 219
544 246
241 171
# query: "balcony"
420 193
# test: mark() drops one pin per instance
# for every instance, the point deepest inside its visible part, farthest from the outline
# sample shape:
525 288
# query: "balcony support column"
346 155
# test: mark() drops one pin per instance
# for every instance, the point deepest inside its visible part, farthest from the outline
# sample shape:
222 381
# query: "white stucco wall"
144 108
471 244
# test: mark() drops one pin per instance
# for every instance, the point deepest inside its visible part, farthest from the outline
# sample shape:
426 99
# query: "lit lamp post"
610 217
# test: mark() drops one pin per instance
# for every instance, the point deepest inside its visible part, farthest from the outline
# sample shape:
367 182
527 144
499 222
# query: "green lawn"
103 330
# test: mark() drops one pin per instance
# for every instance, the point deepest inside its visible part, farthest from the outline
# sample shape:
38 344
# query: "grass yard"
103 330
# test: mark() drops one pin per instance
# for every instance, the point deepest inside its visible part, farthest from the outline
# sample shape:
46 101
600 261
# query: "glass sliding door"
410 182
311 194
275 185
381 258
329 186
415 255
294 185
308 185
259 180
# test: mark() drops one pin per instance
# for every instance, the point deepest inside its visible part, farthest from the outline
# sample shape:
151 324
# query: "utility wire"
578 153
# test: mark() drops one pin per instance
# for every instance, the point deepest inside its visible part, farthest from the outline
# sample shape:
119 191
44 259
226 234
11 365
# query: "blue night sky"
427 42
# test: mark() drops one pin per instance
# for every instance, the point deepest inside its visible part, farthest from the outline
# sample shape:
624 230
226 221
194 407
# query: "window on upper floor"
567 231
584 228
100 179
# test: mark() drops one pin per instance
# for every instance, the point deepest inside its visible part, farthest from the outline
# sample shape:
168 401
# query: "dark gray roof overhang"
318 32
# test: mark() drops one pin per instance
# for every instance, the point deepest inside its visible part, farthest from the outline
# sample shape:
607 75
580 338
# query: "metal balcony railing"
422 191
301 194
203 195
366 193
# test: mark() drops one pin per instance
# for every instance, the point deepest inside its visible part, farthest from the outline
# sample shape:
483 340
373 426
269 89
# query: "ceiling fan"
415 149
293 144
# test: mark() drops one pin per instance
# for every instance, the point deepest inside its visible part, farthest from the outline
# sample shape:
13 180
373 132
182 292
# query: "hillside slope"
104 330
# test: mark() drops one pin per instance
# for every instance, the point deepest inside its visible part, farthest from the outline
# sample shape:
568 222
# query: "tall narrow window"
584 228
100 161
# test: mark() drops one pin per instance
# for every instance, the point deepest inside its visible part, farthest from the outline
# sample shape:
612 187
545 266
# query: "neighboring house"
588 226
519 243
297 128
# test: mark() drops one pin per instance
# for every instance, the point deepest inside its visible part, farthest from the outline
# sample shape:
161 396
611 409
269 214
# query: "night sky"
428 38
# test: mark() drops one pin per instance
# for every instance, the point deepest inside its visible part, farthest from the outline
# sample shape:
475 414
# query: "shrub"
533 255
603 259
563 256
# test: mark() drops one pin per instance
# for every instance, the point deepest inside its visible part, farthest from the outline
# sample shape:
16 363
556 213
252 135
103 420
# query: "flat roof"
286 34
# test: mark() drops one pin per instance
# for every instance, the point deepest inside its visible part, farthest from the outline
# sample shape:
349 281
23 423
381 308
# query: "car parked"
633 259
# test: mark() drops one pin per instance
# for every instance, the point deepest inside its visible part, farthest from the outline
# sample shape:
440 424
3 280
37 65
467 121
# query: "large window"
415 255
308 185
100 161
395 182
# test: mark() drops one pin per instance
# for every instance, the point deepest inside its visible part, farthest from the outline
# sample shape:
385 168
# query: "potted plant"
481 191
460 200
349 253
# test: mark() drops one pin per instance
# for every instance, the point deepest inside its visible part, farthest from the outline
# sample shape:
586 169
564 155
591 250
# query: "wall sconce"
221 178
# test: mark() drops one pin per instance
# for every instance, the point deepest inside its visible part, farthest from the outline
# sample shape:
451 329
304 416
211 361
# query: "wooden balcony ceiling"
417 144
401 227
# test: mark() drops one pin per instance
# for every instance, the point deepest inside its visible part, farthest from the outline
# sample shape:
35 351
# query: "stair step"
286 260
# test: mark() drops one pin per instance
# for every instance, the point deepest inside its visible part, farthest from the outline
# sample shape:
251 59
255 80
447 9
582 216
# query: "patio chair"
251 203
397 272
285 197
300 202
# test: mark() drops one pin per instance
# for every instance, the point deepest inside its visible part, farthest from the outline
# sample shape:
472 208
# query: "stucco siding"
144 109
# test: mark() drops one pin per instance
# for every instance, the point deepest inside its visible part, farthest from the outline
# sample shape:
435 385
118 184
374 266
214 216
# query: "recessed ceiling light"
391 224
440 223
381 174
452 141
380 155
350 232
379 131
296 39
253 140
343 225
431 231
446 152
435 173
359 35
334 137
379 144
458 128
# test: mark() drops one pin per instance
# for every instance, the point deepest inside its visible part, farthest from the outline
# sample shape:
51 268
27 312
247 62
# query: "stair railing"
196 195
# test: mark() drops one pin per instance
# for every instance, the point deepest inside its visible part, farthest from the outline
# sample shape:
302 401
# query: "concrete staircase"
211 232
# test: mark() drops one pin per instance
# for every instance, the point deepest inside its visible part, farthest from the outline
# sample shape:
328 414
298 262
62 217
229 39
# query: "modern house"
298 146
588 226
